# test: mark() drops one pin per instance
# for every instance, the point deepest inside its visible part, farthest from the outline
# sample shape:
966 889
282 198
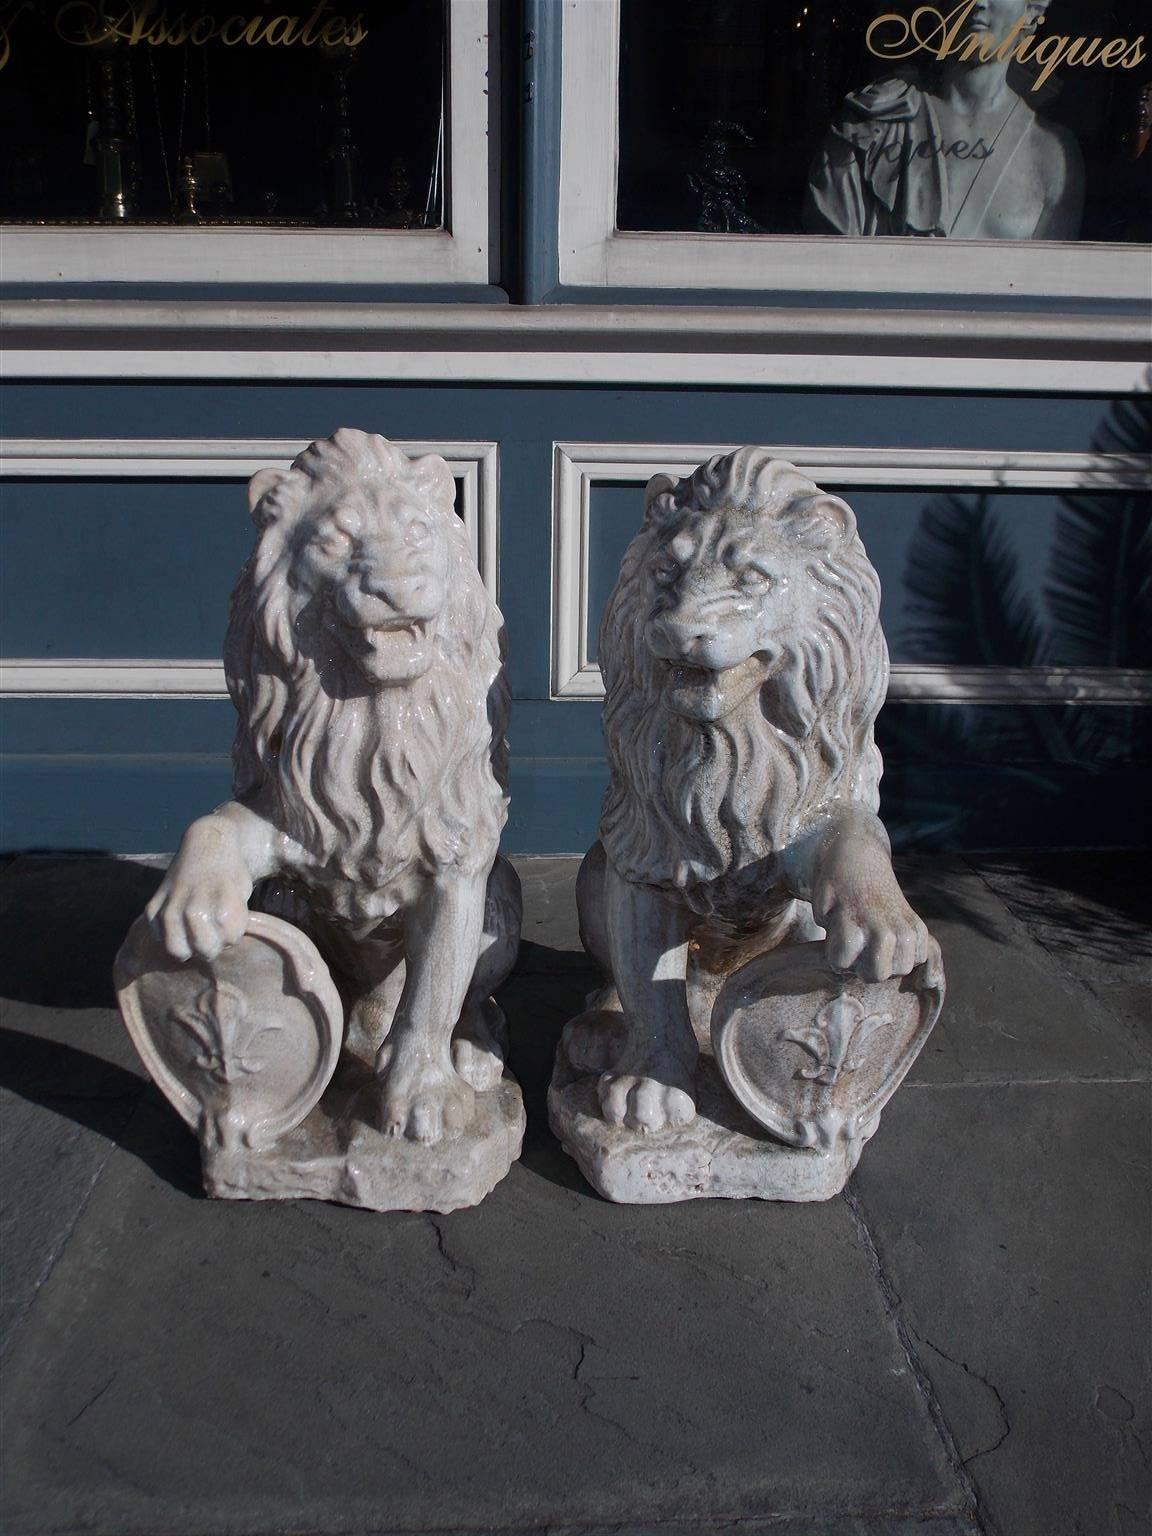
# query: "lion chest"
363 902
749 899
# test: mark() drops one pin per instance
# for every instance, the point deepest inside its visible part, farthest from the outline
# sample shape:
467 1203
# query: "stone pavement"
959 1345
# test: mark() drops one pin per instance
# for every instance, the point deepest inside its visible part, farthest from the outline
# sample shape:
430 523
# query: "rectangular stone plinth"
723 1154
335 1156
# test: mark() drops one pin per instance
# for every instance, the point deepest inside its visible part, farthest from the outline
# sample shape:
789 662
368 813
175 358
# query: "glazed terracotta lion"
744 667
364 658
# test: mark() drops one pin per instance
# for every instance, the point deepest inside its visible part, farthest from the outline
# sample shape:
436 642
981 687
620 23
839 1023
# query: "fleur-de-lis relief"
836 1039
218 1022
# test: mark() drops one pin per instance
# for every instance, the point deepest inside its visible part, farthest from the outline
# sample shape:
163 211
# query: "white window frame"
593 253
463 253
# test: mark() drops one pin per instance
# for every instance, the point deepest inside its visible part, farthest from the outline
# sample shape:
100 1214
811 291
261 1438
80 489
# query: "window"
738 144
209 142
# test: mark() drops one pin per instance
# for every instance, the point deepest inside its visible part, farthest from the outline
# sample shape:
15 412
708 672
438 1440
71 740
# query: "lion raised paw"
365 660
744 666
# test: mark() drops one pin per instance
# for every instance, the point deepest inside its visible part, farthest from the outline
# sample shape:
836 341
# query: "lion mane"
371 781
690 804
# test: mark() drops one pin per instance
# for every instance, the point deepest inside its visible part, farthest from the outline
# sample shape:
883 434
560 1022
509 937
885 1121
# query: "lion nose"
398 591
673 638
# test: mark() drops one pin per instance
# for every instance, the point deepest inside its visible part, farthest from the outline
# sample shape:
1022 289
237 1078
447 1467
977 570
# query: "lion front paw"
641 1103
201 906
424 1101
870 927
876 943
199 917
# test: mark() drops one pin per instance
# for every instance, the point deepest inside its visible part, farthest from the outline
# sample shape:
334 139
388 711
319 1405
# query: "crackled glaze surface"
365 660
744 667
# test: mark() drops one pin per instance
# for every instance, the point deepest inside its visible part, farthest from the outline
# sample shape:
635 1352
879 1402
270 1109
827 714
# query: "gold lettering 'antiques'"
948 35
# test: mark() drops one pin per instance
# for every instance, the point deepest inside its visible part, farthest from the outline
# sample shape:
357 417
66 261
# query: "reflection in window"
214 112
836 117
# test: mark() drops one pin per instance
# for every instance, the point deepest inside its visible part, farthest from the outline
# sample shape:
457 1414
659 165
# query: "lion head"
744 667
364 658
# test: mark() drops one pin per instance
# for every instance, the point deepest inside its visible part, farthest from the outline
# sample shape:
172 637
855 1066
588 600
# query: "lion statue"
744 667
365 661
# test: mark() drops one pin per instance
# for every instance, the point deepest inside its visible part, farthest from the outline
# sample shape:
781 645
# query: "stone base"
723 1154
335 1155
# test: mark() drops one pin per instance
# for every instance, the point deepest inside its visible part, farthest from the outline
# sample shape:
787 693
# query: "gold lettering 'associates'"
87 25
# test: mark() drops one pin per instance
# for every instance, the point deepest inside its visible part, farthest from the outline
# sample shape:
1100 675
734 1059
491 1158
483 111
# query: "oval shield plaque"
814 1054
242 1046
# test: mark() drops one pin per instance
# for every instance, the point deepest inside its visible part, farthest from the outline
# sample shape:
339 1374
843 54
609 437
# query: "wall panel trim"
474 464
133 677
578 467
140 678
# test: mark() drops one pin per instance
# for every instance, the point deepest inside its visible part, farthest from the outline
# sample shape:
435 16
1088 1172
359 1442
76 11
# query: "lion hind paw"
480 1046
593 1041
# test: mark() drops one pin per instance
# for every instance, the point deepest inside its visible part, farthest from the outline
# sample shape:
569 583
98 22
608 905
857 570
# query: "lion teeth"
376 632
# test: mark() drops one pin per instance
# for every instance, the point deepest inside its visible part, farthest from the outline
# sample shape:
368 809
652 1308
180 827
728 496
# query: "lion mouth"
707 693
682 674
372 637
393 651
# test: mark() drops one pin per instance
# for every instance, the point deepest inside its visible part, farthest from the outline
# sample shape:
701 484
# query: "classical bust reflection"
954 152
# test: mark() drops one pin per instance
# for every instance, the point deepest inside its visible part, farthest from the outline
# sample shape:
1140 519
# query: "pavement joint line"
1139 1079
842 1521
839 1524
892 1303
971 1371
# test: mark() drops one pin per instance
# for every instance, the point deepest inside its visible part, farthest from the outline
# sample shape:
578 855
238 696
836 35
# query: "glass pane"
215 113
987 119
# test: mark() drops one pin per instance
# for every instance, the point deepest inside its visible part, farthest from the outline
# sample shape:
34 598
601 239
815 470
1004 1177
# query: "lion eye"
417 534
665 571
754 580
331 543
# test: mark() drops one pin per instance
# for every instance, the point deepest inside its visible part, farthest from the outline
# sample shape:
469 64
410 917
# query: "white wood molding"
82 677
577 467
593 253
205 254
928 467
138 678
209 254
300 325
1021 685
669 344
474 464
802 370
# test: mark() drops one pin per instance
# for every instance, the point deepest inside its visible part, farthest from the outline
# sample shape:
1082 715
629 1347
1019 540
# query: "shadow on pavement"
62 921
1098 904
102 1097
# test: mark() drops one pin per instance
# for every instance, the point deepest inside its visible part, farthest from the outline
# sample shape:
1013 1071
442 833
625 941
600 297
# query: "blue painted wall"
144 568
